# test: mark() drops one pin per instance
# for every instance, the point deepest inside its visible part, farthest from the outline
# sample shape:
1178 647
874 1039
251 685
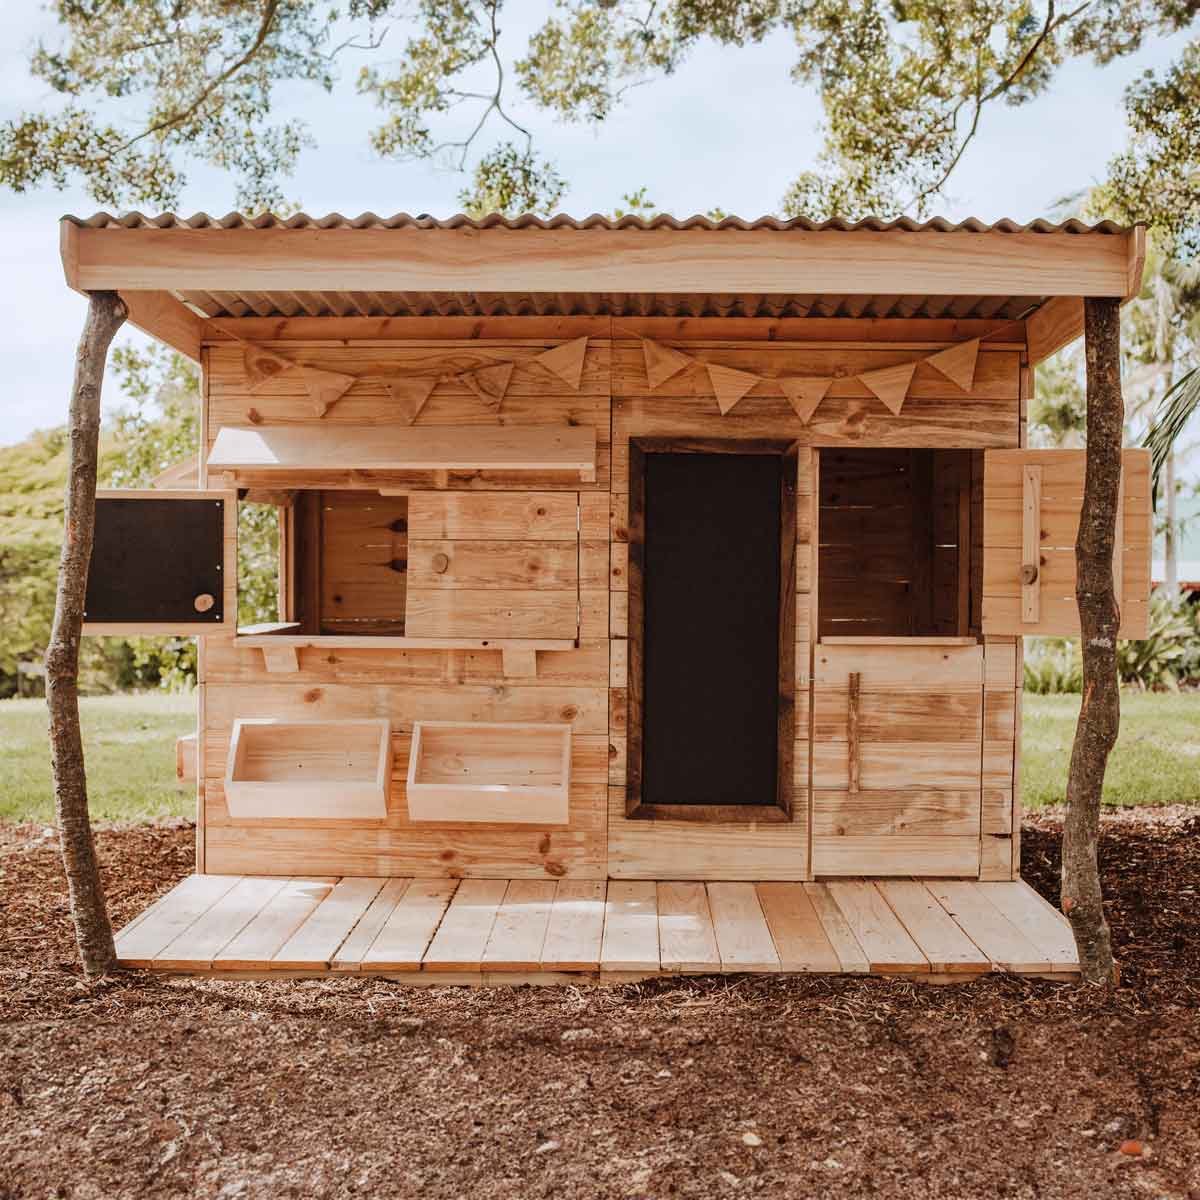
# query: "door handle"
852 749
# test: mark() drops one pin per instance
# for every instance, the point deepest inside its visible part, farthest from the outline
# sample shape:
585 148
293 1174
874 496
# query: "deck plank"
987 926
799 936
316 942
939 937
576 928
349 954
200 943
686 938
1047 928
175 912
743 939
520 929
630 927
253 947
837 930
886 943
462 936
401 942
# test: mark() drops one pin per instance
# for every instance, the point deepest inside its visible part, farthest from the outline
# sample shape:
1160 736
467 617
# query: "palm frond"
1175 410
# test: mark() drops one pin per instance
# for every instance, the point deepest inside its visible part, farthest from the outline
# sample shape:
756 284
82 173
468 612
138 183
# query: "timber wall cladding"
585 687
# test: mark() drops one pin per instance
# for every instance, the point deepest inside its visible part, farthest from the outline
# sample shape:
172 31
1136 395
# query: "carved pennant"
409 393
325 388
891 385
805 395
729 385
262 365
490 384
662 362
566 361
957 363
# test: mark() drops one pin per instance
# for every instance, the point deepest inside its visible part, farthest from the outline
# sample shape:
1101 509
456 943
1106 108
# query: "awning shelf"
535 448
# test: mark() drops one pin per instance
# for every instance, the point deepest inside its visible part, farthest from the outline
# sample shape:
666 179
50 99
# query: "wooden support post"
1099 618
93 931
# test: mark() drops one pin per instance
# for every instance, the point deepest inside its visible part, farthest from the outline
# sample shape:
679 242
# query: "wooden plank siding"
588 687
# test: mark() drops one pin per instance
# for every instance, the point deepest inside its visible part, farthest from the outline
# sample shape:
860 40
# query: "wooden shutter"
1031 505
163 562
493 565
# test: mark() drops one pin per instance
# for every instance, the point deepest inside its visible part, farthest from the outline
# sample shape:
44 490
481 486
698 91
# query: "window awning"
534 448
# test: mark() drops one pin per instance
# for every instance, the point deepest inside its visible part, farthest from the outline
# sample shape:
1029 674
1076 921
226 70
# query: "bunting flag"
662 362
957 363
805 395
409 393
262 365
489 383
729 385
325 388
891 384
566 361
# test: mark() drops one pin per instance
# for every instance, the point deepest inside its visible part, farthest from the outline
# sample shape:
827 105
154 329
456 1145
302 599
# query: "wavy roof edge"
234 220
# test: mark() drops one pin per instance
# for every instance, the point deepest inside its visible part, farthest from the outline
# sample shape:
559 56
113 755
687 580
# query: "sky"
729 130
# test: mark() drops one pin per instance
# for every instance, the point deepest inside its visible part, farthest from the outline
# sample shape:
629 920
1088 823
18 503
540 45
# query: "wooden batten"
293 448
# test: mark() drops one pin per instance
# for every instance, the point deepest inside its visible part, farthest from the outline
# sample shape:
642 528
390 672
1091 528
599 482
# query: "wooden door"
163 562
897 758
1031 505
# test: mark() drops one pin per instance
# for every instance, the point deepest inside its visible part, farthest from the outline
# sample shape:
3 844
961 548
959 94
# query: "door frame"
782 808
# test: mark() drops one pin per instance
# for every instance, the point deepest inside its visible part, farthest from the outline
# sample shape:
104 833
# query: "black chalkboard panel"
711 586
152 558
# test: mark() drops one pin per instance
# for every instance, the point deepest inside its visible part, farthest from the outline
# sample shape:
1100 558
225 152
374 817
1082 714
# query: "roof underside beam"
602 260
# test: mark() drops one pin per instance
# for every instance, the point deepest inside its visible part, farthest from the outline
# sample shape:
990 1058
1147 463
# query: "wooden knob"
1029 573
440 563
203 602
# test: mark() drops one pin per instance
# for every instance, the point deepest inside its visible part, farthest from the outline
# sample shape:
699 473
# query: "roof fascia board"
856 262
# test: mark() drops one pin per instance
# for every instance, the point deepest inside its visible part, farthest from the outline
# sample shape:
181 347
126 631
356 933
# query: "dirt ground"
143 1087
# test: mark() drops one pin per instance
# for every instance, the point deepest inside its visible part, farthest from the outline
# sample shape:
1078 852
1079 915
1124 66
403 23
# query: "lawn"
130 746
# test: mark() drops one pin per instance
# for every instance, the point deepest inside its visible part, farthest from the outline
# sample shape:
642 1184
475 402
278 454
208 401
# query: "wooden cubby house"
651 596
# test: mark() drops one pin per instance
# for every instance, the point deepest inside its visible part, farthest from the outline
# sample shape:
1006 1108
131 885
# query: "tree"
905 88
93 932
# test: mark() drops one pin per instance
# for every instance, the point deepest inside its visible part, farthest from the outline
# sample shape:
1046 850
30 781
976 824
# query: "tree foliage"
905 85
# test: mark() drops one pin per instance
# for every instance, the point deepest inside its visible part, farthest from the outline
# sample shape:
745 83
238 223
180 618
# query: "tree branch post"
1099 620
93 932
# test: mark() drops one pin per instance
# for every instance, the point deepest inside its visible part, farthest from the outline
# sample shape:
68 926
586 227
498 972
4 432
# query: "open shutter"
493 565
1031 505
163 562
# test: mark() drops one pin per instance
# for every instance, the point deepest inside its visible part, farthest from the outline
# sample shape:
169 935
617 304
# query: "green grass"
129 748
1156 759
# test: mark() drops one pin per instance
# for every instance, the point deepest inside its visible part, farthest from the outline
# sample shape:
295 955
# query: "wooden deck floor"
474 931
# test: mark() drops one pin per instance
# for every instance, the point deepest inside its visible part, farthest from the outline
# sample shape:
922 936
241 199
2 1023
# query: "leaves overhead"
906 87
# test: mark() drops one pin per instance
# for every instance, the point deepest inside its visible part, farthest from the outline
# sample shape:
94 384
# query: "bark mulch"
141 1087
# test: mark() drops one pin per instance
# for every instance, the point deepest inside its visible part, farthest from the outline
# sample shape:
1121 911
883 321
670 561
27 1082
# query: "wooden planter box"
315 769
470 771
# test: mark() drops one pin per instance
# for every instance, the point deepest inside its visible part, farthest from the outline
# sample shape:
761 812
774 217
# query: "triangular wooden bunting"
566 361
957 363
890 384
729 385
325 388
662 362
805 395
409 393
489 383
262 365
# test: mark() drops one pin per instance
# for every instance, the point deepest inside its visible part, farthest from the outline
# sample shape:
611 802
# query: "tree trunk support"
1099 620
93 932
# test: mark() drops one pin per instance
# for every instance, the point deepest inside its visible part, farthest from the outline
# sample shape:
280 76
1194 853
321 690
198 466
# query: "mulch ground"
143 1087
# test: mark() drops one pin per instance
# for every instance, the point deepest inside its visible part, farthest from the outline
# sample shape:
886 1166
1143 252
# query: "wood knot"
203 602
440 563
1029 573
555 868
254 416
569 713
544 844
312 695
446 855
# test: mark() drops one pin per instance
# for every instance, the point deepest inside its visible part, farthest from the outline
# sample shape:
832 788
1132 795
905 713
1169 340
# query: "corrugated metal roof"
233 220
